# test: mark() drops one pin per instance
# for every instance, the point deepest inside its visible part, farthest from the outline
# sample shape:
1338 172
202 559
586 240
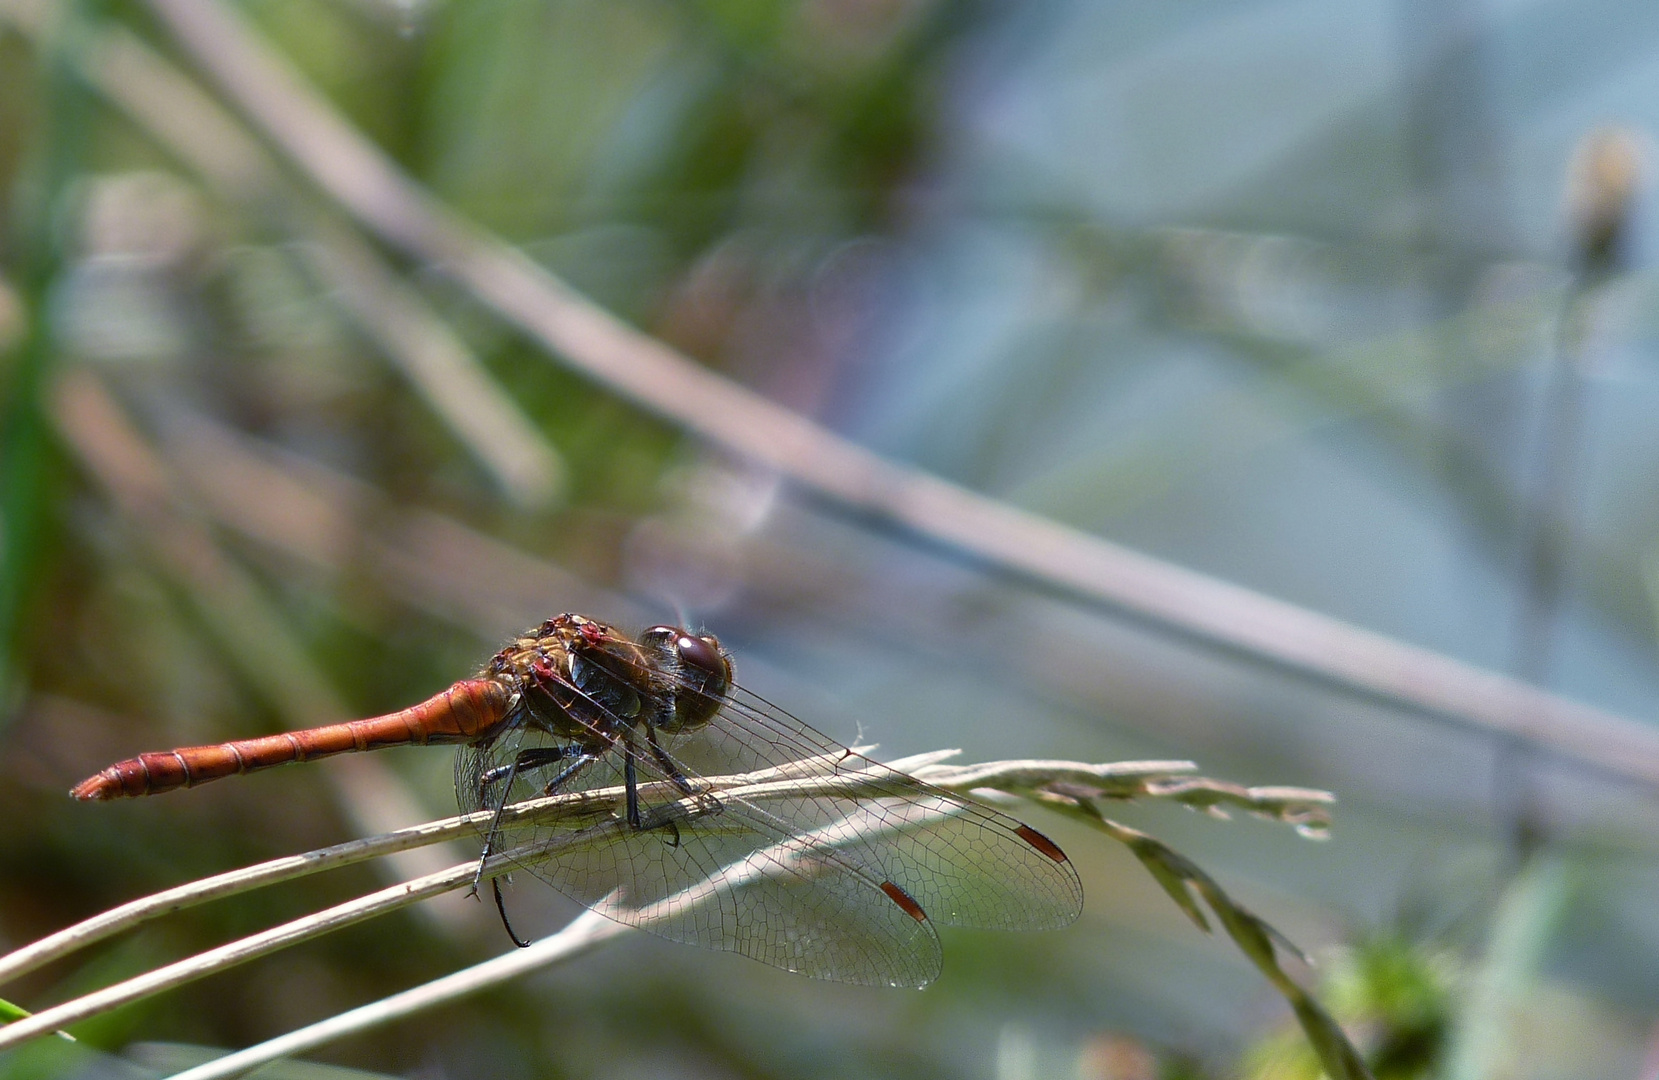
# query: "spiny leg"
665 816
537 757
501 907
630 783
667 763
583 760
495 826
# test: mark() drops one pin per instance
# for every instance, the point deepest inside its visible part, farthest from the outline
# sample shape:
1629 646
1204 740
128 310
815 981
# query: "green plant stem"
1528 917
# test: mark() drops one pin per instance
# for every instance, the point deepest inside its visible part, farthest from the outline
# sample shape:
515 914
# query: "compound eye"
702 654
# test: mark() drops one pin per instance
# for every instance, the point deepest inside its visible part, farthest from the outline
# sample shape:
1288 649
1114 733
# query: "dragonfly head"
700 668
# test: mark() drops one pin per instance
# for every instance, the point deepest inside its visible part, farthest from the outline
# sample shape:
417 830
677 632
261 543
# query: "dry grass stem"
137 912
581 934
225 956
592 817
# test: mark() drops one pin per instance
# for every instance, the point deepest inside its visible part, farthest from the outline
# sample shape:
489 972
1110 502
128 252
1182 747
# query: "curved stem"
581 934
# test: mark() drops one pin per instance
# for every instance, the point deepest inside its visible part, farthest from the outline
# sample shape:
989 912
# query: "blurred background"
1349 304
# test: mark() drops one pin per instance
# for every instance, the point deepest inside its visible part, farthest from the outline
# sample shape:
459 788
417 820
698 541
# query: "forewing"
711 872
964 863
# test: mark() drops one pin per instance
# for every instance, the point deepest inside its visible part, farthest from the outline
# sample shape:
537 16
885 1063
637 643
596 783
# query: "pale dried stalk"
1124 779
280 937
293 933
137 912
300 930
582 933
825 775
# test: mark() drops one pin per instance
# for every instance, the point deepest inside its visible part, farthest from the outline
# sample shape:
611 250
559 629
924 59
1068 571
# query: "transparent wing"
709 872
964 863
838 879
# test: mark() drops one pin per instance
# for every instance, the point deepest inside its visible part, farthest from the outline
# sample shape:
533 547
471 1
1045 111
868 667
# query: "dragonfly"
826 863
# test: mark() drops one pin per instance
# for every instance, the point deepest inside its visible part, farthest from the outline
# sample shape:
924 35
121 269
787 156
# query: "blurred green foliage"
1399 994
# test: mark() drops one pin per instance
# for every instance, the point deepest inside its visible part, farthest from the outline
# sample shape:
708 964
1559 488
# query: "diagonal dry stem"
570 807
593 816
195 967
291 933
379 195
1033 778
581 934
137 912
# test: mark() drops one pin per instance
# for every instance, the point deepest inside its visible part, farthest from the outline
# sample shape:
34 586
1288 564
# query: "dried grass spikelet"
1602 182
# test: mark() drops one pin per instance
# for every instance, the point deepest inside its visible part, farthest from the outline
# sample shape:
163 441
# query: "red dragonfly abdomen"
464 713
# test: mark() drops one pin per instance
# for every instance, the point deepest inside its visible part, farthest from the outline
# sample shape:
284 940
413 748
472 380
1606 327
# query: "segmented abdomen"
463 713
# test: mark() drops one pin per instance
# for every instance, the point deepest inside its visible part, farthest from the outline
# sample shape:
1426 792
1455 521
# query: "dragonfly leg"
663 818
537 757
667 763
706 802
630 783
582 761
495 824
501 906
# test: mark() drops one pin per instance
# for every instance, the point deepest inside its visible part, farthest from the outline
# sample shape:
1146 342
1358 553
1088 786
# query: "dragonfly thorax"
585 681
